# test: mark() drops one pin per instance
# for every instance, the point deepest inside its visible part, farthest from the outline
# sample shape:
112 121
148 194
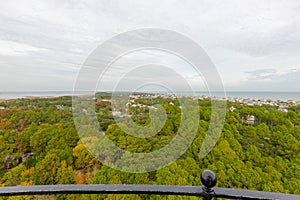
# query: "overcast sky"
255 44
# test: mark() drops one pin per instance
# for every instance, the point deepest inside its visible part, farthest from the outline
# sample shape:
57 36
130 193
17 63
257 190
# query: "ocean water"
17 95
284 96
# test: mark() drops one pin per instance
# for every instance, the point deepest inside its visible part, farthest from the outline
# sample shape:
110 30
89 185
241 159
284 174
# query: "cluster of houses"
282 105
251 102
249 119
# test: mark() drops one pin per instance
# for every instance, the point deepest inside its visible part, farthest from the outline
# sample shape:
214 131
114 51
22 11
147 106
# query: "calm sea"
253 95
16 95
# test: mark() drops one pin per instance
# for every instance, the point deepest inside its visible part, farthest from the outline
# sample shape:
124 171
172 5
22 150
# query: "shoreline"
229 95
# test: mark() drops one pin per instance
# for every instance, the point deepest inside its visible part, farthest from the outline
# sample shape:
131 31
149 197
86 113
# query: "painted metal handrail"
207 192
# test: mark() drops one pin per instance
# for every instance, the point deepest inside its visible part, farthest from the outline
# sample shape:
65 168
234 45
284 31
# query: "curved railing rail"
207 192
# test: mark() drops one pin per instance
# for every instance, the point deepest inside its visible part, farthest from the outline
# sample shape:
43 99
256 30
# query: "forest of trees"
39 145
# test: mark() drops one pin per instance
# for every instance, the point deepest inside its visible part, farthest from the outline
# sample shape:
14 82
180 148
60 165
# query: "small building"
26 156
232 108
59 107
116 113
250 120
84 111
282 109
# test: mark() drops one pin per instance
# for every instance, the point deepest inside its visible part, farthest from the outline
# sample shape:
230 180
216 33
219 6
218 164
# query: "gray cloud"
261 74
272 80
53 38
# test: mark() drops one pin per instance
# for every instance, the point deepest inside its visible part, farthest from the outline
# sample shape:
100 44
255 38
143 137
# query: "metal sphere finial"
208 179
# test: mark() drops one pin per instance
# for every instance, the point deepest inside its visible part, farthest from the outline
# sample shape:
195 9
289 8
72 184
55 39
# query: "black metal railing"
207 192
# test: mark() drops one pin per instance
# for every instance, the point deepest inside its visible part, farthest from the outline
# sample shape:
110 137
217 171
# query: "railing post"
209 180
